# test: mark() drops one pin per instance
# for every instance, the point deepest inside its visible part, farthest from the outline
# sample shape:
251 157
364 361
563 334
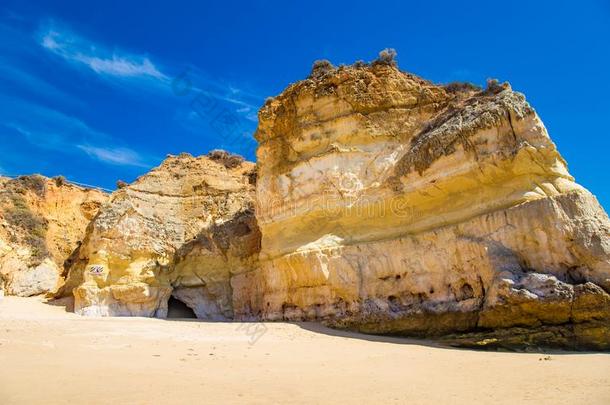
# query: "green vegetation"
229 160
25 226
321 68
387 57
35 183
462 87
60 181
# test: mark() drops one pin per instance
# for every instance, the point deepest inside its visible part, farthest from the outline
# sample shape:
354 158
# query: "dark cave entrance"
177 309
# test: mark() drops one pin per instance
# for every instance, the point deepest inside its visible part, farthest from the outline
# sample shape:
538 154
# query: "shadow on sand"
320 328
66 302
179 312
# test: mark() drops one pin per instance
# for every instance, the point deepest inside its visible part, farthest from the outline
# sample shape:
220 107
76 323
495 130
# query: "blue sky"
100 91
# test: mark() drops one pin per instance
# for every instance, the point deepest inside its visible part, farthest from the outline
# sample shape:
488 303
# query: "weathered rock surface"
187 228
41 222
388 204
384 203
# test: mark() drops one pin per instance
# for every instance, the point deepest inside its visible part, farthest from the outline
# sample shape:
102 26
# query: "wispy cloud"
115 156
52 130
103 61
243 103
110 63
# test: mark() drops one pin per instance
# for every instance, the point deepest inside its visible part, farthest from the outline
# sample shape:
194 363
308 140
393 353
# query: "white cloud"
122 65
115 156
103 61
252 116
137 72
52 130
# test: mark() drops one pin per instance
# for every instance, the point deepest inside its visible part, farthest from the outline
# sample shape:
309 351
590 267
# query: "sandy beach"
49 355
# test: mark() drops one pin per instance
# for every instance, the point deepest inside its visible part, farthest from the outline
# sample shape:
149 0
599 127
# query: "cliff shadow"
66 302
402 340
320 328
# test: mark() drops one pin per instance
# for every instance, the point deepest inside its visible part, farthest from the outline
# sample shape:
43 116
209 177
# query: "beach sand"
50 355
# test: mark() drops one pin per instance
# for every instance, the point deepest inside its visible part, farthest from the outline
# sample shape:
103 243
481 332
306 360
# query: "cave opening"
177 309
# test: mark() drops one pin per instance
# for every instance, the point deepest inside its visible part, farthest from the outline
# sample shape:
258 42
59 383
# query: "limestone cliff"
41 222
388 204
384 203
185 229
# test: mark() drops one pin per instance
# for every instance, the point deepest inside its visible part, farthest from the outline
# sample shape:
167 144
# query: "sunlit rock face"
381 203
186 228
388 204
41 222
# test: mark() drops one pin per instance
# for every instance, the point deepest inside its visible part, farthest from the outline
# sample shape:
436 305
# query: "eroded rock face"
384 203
187 228
41 222
388 204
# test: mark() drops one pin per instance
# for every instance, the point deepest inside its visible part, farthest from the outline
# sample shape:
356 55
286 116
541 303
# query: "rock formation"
185 229
384 203
41 222
388 204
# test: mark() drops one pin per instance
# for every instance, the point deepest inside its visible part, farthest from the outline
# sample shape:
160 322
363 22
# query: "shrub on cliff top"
461 87
229 160
60 181
387 57
320 68
494 86
35 183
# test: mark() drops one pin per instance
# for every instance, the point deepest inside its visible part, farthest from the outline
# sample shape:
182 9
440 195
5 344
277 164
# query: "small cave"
394 303
466 292
177 309
575 275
